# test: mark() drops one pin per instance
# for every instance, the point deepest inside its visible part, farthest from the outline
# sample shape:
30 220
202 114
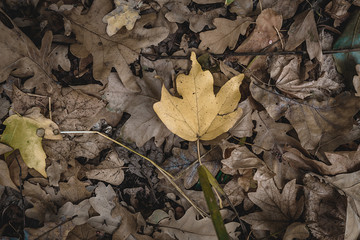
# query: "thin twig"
154 57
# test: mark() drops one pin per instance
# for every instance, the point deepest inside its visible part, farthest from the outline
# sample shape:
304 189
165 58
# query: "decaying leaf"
325 209
188 227
244 126
110 170
20 56
225 35
296 230
103 203
125 14
74 190
143 123
279 209
5 179
179 13
182 162
349 183
287 8
270 134
285 70
117 51
131 225
80 212
262 36
199 114
304 28
317 123
26 134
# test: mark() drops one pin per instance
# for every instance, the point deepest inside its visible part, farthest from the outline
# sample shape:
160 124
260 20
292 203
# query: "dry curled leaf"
279 210
304 29
199 114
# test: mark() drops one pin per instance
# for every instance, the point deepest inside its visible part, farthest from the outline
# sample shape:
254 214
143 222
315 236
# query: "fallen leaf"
124 15
4 107
5 179
202 19
59 57
110 170
244 126
199 114
21 58
51 230
338 10
79 213
143 123
242 7
325 209
262 36
182 162
188 227
225 35
317 123
103 203
235 193
131 225
304 29
296 230
83 232
23 133
279 209
16 166
340 162
117 51
270 134
74 190
287 8
44 204
285 70
349 183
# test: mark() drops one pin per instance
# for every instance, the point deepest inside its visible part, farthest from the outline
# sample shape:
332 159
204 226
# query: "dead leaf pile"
276 115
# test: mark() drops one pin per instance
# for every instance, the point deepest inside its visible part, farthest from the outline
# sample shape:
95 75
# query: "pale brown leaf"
143 123
279 209
225 35
262 36
304 29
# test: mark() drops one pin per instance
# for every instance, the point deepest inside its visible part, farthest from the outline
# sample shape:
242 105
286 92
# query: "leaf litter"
289 163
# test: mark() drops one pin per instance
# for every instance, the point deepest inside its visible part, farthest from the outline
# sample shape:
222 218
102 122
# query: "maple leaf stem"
198 150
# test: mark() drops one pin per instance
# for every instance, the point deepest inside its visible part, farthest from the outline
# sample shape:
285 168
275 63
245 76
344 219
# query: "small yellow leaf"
199 114
26 133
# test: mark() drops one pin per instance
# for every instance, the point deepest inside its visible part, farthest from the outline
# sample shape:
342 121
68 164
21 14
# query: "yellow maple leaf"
199 114
26 133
